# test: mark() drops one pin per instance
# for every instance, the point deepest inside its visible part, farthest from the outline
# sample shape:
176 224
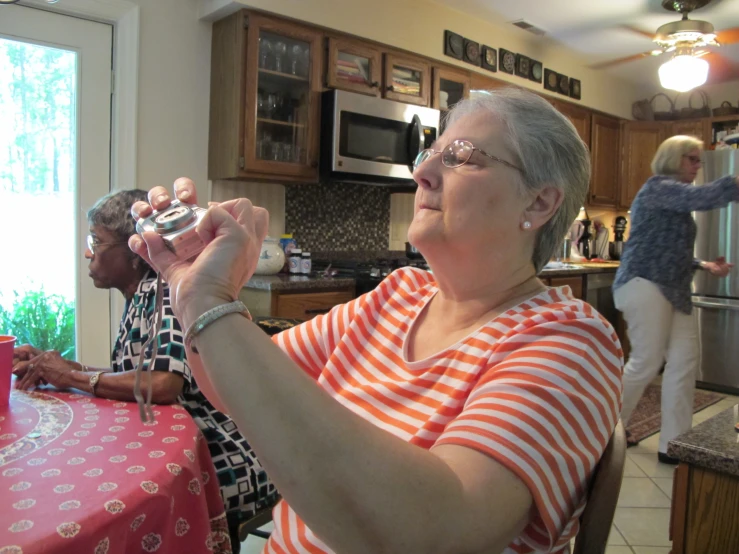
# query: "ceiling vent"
526 26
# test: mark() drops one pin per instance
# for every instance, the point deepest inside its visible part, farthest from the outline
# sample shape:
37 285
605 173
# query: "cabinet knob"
390 88
374 84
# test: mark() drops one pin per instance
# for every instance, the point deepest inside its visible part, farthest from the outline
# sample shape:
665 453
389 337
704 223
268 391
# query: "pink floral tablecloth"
82 475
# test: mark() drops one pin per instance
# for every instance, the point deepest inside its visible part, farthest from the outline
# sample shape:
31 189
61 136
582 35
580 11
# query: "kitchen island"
705 498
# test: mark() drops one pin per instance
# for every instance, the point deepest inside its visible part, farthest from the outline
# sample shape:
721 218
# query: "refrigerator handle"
715 305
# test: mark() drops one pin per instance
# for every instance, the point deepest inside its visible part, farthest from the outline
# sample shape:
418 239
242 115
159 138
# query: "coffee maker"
617 246
585 242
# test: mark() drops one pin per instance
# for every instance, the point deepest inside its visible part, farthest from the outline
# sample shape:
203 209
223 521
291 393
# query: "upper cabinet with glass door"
450 86
265 99
354 66
407 79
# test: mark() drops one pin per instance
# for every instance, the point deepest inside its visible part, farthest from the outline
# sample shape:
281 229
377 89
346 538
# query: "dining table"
81 474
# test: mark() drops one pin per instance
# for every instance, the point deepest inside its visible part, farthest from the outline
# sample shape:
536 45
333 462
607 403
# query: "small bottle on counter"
305 263
294 261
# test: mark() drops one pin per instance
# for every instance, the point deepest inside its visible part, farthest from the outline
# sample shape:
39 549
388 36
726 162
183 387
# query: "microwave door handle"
416 142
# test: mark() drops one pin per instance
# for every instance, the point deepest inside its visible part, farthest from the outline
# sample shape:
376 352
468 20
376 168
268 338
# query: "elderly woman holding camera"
459 411
652 285
245 487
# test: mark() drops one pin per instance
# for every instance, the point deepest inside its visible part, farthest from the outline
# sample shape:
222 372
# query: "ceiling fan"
686 40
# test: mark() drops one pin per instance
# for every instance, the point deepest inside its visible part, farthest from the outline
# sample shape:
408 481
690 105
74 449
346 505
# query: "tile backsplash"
338 216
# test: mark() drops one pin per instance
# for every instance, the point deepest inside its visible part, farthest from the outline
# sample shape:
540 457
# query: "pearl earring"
527 225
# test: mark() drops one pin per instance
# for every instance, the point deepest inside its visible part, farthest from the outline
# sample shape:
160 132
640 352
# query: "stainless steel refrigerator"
715 300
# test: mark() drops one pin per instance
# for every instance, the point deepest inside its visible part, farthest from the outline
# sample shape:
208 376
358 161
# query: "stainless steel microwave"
372 140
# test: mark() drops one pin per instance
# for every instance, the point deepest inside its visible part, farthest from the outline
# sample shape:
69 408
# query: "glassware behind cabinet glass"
265 53
296 60
280 50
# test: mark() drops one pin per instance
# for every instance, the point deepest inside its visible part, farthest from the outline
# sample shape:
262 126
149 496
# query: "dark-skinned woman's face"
112 264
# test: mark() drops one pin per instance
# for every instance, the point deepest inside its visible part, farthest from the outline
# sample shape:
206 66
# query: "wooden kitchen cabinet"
265 99
574 282
698 128
639 143
308 305
604 155
449 87
354 65
579 116
407 79
478 81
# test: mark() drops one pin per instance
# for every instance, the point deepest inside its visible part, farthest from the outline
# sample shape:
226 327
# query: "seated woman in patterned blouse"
245 487
459 410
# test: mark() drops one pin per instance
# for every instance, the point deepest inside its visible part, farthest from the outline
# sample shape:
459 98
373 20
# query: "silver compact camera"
176 225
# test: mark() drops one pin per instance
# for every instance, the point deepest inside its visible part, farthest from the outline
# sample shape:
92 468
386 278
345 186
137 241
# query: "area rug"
646 419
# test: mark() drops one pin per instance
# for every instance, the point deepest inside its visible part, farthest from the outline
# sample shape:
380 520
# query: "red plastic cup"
6 368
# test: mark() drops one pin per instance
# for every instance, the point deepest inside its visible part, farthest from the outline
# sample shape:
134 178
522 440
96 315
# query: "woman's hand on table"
719 268
25 352
47 368
232 231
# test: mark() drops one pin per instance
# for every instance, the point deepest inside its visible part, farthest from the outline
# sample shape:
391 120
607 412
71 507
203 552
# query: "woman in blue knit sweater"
652 286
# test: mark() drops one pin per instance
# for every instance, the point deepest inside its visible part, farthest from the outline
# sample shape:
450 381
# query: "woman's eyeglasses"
93 243
695 160
457 154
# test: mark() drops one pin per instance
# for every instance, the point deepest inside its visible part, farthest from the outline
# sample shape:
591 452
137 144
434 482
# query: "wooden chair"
595 521
251 526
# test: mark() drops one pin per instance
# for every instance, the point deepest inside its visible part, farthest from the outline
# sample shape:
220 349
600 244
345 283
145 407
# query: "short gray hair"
669 156
113 212
548 149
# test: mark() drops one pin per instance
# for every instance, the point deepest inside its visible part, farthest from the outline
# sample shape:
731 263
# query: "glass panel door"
283 91
46 297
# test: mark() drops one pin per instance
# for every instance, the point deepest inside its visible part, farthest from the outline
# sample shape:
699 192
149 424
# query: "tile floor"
643 511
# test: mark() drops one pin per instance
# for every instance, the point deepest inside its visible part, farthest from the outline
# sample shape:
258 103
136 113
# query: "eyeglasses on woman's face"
695 160
93 243
456 154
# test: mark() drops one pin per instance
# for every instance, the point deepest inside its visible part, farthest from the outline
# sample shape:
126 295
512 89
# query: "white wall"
174 92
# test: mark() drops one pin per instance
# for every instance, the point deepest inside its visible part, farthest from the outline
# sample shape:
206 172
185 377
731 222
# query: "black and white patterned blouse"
662 238
244 484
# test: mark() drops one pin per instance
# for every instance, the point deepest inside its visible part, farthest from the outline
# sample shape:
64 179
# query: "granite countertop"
713 444
313 282
317 281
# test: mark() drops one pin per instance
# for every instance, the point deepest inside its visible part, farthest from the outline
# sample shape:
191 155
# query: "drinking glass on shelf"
287 153
296 60
273 101
261 103
280 50
264 146
306 62
297 154
265 53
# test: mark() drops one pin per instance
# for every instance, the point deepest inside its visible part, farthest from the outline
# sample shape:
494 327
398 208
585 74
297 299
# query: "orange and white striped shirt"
538 389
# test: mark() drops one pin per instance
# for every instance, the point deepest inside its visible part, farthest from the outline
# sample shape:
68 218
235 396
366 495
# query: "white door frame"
124 16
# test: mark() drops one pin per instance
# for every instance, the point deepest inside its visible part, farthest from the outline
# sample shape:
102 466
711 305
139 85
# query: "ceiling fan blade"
728 36
611 63
638 31
721 69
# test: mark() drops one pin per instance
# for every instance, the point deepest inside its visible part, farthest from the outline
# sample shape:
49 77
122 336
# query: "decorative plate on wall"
551 80
564 85
489 58
575 89
522 65
507 61
535 71
472 52
453 45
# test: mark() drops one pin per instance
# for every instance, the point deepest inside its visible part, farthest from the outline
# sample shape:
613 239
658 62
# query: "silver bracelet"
214 314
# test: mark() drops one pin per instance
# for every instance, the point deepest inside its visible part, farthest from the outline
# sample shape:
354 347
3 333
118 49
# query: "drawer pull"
317 311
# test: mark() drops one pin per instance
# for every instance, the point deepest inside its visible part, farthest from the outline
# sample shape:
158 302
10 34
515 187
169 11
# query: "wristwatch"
94 378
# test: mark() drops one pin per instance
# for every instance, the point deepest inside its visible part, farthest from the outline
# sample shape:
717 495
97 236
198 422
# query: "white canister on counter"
305 263
294 261
271 258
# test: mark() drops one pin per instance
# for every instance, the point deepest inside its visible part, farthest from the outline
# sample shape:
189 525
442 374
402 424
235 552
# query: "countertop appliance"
367 273
617 247
716 300
372 140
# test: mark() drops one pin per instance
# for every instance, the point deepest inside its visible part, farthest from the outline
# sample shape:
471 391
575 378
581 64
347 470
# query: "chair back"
605 486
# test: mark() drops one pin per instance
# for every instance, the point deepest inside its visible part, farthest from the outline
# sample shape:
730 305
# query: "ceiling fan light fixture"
683 73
